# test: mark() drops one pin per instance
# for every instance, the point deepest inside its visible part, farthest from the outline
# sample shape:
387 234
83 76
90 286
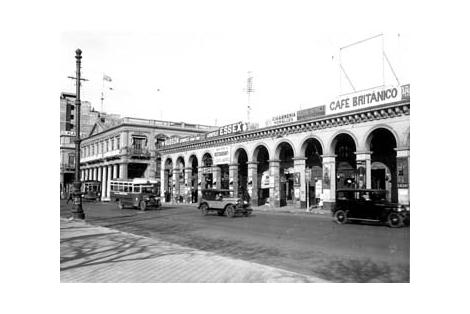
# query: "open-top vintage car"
223 202
369 205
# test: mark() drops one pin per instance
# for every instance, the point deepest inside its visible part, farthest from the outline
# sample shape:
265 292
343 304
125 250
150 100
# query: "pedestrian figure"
70 198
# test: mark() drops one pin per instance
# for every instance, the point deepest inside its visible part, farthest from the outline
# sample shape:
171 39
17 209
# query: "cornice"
387 111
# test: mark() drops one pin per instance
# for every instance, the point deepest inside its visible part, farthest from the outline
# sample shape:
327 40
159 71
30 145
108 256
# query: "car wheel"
341 216
230 211
204 208
394 220
142 206
120 204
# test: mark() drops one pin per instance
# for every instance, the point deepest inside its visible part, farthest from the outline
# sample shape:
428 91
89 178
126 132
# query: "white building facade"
301 158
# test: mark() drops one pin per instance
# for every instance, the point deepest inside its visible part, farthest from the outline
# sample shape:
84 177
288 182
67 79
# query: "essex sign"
233 128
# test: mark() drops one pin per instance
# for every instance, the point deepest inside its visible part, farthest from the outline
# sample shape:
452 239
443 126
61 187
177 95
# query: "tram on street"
91 190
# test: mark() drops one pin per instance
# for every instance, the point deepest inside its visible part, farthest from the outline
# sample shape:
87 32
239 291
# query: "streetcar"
91 190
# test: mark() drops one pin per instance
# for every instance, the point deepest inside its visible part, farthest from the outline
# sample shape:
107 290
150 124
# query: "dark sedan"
369 205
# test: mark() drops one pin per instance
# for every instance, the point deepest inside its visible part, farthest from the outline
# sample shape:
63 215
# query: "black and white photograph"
243 156
185 162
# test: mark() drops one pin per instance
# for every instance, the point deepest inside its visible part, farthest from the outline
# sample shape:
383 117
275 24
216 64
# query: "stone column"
188 189
217 176
363 178
123 170
300 194
233 178
115 171
252 182
164 183
95 173
403 175
274 195
200 183
329 181
176 184
104 182
108 184
99 177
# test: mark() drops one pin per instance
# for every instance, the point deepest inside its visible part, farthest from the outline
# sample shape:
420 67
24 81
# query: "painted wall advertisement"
222 155
281 119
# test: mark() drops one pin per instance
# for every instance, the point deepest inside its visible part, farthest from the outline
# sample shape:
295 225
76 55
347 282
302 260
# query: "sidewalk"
96 254
267 208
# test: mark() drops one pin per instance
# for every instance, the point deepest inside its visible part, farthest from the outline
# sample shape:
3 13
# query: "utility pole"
77 210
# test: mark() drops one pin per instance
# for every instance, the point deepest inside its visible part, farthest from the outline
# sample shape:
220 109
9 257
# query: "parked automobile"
369 205
223 202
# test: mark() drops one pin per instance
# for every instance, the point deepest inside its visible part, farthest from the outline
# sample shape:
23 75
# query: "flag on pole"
106 78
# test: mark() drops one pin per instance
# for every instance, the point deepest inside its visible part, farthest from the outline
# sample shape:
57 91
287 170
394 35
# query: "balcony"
136 152
67 167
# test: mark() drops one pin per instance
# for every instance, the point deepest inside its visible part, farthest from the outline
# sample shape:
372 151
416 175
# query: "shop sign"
266 180
67 133
206 170
311 113
366 99
318 189
190 139
222 155
171 141
281 119
233 128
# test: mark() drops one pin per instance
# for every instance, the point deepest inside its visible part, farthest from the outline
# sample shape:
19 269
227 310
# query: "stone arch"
168 162
204 155
277 147
254 154
333 140
180 160
236 153
368 136
304 144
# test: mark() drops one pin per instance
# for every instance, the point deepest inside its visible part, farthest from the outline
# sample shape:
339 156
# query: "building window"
71 160
139 142
107 145
118 142
112 143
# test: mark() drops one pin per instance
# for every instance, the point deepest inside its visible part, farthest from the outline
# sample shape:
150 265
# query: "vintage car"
369 205
223 202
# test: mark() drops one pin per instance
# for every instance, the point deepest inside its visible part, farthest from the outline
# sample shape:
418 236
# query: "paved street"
311 245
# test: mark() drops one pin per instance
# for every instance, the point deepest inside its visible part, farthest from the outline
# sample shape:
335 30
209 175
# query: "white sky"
201 74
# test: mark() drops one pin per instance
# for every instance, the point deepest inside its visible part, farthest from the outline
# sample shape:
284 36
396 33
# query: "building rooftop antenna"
249 90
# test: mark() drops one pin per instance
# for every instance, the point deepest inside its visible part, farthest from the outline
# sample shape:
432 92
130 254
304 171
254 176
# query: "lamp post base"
77 210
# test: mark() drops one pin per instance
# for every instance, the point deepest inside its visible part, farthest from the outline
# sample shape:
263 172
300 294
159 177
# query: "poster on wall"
222 155
318 189
326 177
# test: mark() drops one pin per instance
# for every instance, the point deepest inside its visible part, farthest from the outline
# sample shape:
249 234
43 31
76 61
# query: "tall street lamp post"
77 210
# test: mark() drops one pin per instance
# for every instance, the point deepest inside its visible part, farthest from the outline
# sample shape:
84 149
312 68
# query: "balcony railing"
135 151
67 167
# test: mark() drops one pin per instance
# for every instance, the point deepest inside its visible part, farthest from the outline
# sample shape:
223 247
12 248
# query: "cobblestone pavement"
96 254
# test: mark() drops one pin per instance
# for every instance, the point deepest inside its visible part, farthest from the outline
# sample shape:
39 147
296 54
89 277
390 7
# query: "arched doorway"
345 148
313 169
168 180
241 158
194 175
263 184
285 155
207 177
382 144
179 179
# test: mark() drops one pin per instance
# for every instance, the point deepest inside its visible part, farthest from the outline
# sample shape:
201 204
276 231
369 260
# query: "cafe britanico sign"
369 98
